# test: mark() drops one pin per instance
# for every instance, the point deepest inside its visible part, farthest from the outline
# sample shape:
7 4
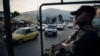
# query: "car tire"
62 28
46 35
4 40
20 41
55 34
36 36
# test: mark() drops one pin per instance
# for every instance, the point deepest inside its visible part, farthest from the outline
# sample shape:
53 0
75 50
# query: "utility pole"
61 1
7 21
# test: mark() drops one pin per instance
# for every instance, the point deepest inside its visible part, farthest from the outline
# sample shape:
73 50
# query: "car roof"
27 27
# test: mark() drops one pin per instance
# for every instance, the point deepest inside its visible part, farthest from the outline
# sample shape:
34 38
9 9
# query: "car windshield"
20 31
51 27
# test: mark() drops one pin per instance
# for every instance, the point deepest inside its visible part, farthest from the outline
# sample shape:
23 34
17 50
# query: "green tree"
60 18
15 13
47 20
54 20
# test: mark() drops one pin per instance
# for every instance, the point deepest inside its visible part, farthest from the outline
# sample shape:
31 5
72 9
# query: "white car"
34 25
70 25
44 26
60 26
64 23
51 30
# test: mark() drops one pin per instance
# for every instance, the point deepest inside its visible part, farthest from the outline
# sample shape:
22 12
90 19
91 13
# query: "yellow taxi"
24 34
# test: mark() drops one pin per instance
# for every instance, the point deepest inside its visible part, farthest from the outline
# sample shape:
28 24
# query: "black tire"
62 28
36 36
46 35
55 34
4 40
20 41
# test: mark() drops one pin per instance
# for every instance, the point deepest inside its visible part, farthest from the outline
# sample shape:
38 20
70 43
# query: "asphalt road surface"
32 47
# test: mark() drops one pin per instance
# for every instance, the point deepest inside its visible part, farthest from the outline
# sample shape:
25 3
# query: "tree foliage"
47 20
15 13
54 20
60 19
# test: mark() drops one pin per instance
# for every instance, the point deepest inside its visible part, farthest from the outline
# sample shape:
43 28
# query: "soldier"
86 41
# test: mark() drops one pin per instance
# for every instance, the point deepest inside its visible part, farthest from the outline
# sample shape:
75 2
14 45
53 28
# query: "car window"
28 31
20 31
33 30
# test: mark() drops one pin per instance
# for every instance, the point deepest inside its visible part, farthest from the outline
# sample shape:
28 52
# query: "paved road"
32 47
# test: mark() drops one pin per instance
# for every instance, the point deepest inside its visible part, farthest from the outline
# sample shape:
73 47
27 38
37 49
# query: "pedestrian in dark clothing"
86 42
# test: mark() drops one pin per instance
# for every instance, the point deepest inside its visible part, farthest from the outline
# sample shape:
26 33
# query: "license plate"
50 33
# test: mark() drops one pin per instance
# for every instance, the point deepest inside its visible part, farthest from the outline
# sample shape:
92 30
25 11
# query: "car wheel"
36 36
4 40
55 34
20 41
62 28
46 35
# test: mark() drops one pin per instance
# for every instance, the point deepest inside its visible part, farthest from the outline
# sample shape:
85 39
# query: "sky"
31 5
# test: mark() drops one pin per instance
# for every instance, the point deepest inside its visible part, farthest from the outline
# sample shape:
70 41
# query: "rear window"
51 27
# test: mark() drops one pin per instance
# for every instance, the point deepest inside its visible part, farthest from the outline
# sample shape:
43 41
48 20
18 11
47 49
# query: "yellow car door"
34 34
27 35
